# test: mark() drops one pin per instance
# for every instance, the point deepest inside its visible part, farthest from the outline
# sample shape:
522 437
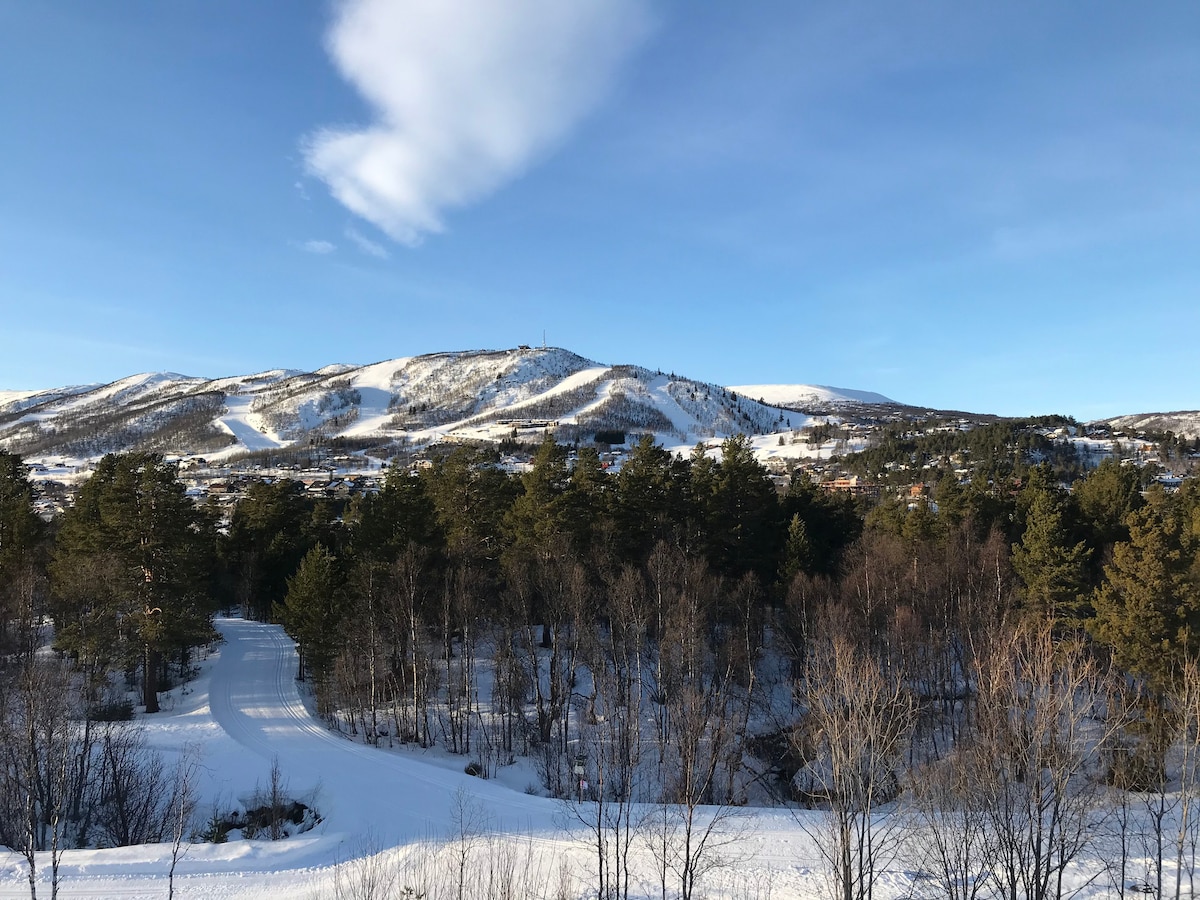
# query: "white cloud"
318 247
466 95
366 245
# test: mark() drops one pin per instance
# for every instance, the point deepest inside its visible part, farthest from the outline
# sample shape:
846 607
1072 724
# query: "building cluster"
340 478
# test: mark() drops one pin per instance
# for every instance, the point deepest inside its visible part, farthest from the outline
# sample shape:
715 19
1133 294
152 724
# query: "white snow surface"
247 426
246 711
800 394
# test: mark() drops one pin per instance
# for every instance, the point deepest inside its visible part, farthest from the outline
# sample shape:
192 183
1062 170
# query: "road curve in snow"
368 798
254 697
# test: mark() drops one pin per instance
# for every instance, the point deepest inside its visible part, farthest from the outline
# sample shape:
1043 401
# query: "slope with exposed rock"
410 401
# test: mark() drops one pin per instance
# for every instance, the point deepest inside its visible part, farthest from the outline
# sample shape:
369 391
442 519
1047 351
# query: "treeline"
117 584
1015 670
996 451
682 634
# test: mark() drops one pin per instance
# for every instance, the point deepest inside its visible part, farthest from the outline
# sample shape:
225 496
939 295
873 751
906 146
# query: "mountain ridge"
411 401
798 395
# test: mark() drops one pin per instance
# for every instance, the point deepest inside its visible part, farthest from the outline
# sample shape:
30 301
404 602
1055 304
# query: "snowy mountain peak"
483 395
799 395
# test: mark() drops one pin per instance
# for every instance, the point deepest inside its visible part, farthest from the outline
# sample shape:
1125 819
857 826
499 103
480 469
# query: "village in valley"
835 432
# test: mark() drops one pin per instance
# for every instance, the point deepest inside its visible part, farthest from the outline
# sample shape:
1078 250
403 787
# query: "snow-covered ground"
247 426
401 810
246 711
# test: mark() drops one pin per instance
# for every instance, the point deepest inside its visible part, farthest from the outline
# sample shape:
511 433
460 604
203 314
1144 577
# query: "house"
852 485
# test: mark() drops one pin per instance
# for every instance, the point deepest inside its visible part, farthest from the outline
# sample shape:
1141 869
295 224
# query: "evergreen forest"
1011 661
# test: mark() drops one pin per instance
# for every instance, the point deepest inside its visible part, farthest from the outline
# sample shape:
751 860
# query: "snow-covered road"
255 700
246 711
244 715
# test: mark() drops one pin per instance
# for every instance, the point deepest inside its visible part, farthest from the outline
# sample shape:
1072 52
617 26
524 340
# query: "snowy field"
407 817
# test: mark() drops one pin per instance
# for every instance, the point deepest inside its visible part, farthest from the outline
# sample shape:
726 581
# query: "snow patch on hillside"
248 427
801 394
1185 422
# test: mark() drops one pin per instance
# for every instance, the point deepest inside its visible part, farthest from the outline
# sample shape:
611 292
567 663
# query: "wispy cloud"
321 248
466 95
366 245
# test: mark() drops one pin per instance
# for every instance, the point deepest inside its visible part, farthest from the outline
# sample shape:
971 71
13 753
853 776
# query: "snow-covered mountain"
1184 423
800 395
483 394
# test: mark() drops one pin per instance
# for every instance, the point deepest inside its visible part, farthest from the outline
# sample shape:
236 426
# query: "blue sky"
992 207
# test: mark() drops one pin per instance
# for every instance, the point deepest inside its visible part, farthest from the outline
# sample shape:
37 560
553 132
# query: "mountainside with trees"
414 401
1014 657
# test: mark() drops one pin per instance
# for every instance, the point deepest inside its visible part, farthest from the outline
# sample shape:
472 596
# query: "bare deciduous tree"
859 717
951 837
38 754
181 808
1041 723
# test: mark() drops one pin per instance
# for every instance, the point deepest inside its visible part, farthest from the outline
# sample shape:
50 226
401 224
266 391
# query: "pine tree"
20 528
311 612
1148 606
1050 562
537 515
650 504
797 551
132 567
587 502
267 539
741 512
402 513
470 498
831 521
1106 497
21 532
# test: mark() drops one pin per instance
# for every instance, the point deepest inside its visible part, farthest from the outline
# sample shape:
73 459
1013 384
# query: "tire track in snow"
256 701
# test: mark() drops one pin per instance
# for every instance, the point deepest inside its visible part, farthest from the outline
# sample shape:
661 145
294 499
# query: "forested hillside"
677 633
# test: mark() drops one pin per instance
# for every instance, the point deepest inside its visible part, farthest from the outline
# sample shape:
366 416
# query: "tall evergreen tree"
402 513
741 512
311 612
1148 606
20 528
132 565
798 556
1049 559
470 498
1105 498
831 521
587 502
537 516
21 534
651 502
268 535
